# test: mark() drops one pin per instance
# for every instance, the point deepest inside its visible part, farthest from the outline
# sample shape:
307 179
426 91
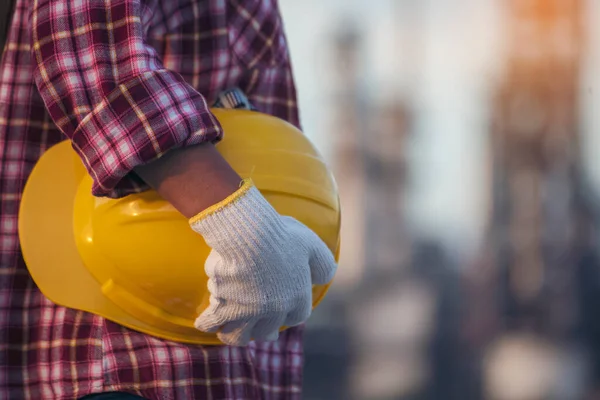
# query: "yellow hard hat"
135 260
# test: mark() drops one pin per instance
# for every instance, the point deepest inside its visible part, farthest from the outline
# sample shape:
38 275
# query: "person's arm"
129 117
106 89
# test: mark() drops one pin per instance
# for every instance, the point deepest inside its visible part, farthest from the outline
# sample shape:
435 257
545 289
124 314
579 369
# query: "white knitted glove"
261 268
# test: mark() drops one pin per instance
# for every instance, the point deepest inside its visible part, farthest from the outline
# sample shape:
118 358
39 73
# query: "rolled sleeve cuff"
139 122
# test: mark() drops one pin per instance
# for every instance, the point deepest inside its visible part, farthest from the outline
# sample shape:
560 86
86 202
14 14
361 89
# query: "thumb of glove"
322 263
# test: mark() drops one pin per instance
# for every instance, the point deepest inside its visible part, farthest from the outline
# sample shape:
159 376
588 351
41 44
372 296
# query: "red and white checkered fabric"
125 81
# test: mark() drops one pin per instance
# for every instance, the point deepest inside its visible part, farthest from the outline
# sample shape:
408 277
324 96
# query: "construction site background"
465 139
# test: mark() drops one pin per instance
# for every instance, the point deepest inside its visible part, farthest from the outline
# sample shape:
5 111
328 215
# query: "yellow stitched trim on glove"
245 186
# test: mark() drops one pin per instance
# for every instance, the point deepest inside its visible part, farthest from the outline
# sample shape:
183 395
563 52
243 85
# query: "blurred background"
465 139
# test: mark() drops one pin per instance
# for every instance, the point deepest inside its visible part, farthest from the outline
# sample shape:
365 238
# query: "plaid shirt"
125 81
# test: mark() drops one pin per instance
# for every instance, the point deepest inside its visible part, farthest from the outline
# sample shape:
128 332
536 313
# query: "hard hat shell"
135 260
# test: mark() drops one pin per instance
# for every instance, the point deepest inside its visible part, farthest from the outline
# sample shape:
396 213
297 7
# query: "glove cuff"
241 221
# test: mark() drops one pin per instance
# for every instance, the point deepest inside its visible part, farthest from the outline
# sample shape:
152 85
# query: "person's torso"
48 352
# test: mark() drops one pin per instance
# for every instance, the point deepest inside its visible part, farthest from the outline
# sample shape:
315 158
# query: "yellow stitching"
245 186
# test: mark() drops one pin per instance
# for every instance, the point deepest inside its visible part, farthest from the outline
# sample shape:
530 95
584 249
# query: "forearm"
106 89
192 178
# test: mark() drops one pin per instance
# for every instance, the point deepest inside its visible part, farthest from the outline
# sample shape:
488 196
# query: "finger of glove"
272 337
237 333
267 330
300 314
322 262
211 319
212 263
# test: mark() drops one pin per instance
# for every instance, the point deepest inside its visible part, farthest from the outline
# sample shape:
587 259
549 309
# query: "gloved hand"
261 268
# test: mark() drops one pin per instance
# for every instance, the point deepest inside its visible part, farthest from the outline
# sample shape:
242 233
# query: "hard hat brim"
46 211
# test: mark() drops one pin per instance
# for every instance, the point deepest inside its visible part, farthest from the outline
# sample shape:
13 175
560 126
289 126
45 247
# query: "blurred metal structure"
535 147
541 228
348 126
393 314
328 351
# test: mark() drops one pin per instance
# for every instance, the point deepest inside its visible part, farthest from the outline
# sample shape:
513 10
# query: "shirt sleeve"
107 89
